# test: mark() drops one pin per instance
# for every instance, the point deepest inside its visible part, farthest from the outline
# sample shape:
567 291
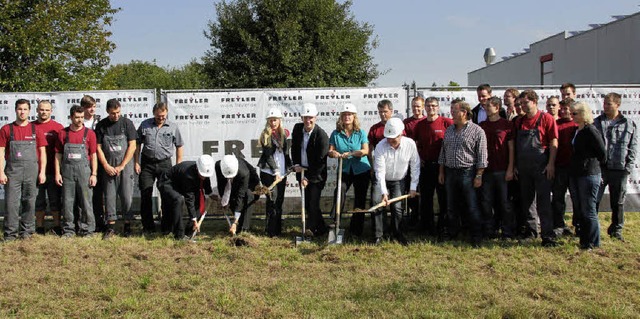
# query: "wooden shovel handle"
393 200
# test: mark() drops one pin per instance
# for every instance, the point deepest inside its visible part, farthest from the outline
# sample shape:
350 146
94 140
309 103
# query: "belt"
149 160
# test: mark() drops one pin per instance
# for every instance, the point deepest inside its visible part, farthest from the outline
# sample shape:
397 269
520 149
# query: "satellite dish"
489 55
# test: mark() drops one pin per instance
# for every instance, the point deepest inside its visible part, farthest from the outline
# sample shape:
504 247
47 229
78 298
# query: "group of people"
499 169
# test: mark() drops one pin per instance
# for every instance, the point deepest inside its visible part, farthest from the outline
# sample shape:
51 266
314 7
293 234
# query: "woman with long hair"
585 175
350 143
274 163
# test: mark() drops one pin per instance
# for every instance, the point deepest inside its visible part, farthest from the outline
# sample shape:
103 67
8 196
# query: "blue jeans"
460 191
617 181
395 189
585 190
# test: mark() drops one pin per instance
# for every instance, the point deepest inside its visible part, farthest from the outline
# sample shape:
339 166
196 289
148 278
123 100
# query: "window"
546 69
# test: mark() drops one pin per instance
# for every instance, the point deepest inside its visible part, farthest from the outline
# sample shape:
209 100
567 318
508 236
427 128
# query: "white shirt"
393 164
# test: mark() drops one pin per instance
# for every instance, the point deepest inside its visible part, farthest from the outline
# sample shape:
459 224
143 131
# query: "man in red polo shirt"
494 194
566 131
417 108
537 145
429 135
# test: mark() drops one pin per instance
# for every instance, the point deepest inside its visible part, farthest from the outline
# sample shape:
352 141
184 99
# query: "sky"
419 40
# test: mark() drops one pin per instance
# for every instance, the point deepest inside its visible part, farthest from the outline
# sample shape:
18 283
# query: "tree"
48 45
289 43
147 75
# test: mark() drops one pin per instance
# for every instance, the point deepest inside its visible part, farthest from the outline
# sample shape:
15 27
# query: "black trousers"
172 207
312 207
360 184
428 186
150 171
274 205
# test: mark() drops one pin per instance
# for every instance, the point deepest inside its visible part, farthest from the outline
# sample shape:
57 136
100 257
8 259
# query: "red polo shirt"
498 133
429 136
566 131
548 128
410 124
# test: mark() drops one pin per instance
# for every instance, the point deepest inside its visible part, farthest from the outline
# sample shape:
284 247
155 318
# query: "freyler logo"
285 97
191 117
544 96
4 119
374 114
131 115
191 100
131 99
332 114
286 114
37 100
238 98
239 118
333 96
380 96
4 102
77 100
449 98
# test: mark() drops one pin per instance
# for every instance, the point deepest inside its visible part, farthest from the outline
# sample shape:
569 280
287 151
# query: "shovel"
381 204
193 236
301 239
336 234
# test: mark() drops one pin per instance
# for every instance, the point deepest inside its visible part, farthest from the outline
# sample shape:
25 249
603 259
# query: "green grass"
272 278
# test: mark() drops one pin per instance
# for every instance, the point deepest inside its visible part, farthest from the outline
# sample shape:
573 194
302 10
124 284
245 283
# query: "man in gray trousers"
22 148
116 145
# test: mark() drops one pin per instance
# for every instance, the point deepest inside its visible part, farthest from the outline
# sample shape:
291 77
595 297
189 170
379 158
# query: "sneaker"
67 235
108 234
40 230
402 240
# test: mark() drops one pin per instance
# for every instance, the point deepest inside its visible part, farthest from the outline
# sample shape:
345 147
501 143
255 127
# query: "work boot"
108 234
127 230
40 230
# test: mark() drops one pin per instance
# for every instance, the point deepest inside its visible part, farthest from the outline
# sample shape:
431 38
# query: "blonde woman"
585 175
350 143
273 164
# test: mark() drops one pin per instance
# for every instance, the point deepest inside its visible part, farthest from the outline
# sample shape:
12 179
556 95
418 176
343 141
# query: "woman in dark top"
588 153
274 163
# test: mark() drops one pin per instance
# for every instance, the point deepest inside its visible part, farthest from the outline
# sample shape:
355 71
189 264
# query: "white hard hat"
274 112
393 128
205 165
229 166
309 110
349 108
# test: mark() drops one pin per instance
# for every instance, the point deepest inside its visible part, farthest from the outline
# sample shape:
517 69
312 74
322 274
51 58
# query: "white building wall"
609 54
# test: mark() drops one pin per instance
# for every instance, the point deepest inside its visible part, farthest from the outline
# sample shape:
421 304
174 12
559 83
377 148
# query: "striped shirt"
465 148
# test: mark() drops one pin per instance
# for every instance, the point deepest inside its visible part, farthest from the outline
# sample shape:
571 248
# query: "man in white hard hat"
186 183
396 156
309 148
236 181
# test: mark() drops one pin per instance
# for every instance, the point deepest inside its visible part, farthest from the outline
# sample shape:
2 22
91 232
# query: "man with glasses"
429 135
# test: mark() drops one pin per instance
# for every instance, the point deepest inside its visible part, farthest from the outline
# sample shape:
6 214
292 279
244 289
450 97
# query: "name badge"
438 131
74 156
116 148
19 154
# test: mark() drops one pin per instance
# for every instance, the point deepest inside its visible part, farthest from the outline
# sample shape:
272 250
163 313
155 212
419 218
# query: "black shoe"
108 234
618 236
476 242
127 230
550 243
402 240
40 230
57 230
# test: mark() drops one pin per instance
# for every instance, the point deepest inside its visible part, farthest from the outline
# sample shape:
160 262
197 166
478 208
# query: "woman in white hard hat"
350 143
274 163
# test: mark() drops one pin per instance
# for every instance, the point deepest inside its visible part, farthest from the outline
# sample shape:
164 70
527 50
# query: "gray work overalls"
114 149
21 189
532 159
76 171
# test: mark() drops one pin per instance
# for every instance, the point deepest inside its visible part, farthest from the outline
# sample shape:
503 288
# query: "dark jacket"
242 185
317 150
622 142
266 158
184 179
588 152
476 110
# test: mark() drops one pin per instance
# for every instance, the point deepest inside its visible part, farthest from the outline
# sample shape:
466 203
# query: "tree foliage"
289 43
147 75
48 45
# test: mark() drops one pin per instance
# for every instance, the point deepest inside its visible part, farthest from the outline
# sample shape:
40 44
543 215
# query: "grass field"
158 277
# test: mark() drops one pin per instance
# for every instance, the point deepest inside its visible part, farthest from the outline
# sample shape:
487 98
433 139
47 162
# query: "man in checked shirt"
463 158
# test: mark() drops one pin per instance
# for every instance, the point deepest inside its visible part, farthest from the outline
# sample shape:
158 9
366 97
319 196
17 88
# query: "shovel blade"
335 237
